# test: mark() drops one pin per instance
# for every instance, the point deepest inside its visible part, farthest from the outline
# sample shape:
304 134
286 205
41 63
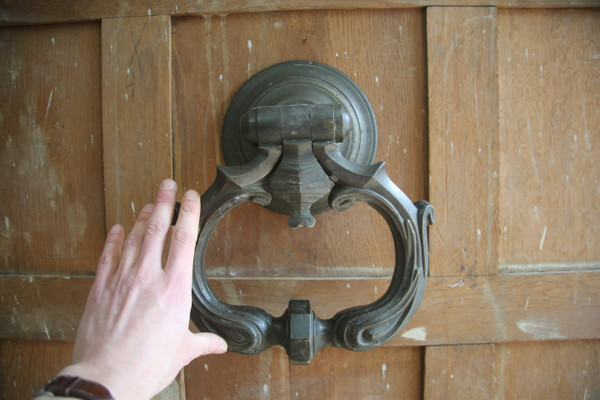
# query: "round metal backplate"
302 82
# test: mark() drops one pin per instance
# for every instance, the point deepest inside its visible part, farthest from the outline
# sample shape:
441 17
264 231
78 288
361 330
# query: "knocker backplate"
302 82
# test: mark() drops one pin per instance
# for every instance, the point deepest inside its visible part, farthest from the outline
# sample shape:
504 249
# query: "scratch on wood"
419 334
533 159
539 329
46 330
135 55
449 55
48 106
460 283
131 85
543 237
35 284
477 19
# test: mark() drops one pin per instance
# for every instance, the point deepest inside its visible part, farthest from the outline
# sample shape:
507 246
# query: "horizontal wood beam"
495 309
15 12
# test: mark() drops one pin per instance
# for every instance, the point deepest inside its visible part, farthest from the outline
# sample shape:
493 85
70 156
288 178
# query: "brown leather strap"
74 386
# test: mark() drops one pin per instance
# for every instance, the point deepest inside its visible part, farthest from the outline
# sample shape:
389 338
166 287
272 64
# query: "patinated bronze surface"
300 138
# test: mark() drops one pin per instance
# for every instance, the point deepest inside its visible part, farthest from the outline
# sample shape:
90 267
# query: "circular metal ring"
297 162
250 330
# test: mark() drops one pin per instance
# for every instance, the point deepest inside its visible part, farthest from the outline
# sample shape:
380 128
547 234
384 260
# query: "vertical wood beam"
549 80
136 121
384 373
566 369
136 113
459 372
52 206
238 376
463 139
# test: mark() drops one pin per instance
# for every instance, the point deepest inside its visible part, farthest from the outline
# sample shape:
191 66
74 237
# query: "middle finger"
158 225
133 243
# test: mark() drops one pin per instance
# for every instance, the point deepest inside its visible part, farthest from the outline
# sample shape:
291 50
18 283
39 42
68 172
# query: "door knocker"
300 138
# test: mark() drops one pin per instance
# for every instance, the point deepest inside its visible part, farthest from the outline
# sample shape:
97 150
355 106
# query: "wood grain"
384 373
136 106
497 336
236 376
136 113
459 372
463 140
36 11
532 370
215 56
548 370
26 366
52 206
492 309
549 80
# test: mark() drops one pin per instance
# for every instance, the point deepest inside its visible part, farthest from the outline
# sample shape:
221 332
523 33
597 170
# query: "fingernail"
190 195
222 348
167 184
115 229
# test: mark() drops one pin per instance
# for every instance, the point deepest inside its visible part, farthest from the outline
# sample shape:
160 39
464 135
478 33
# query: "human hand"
134 336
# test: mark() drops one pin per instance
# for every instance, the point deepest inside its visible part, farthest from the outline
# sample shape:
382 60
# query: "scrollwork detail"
370 326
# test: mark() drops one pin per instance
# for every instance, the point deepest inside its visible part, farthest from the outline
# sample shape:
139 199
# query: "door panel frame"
466 303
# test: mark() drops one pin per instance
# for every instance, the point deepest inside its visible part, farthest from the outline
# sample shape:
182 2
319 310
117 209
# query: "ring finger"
133 243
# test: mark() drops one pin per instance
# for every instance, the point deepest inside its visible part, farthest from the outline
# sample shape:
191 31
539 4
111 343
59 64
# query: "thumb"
205 343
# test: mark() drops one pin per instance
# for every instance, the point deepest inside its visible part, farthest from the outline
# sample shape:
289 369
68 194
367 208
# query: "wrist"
95 373
73 387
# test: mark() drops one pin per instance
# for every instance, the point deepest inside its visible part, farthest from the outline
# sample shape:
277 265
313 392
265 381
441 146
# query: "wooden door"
490 113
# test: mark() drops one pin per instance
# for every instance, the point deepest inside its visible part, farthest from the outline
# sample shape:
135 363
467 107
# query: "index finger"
185 234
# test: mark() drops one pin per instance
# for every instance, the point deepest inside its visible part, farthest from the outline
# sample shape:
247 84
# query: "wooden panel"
532 370
494 309
254 242
136 107
215 56
37 11
463 140
50 149
235 376
27 365
550 168
52 306
548 370
482 310
384 373
460 372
